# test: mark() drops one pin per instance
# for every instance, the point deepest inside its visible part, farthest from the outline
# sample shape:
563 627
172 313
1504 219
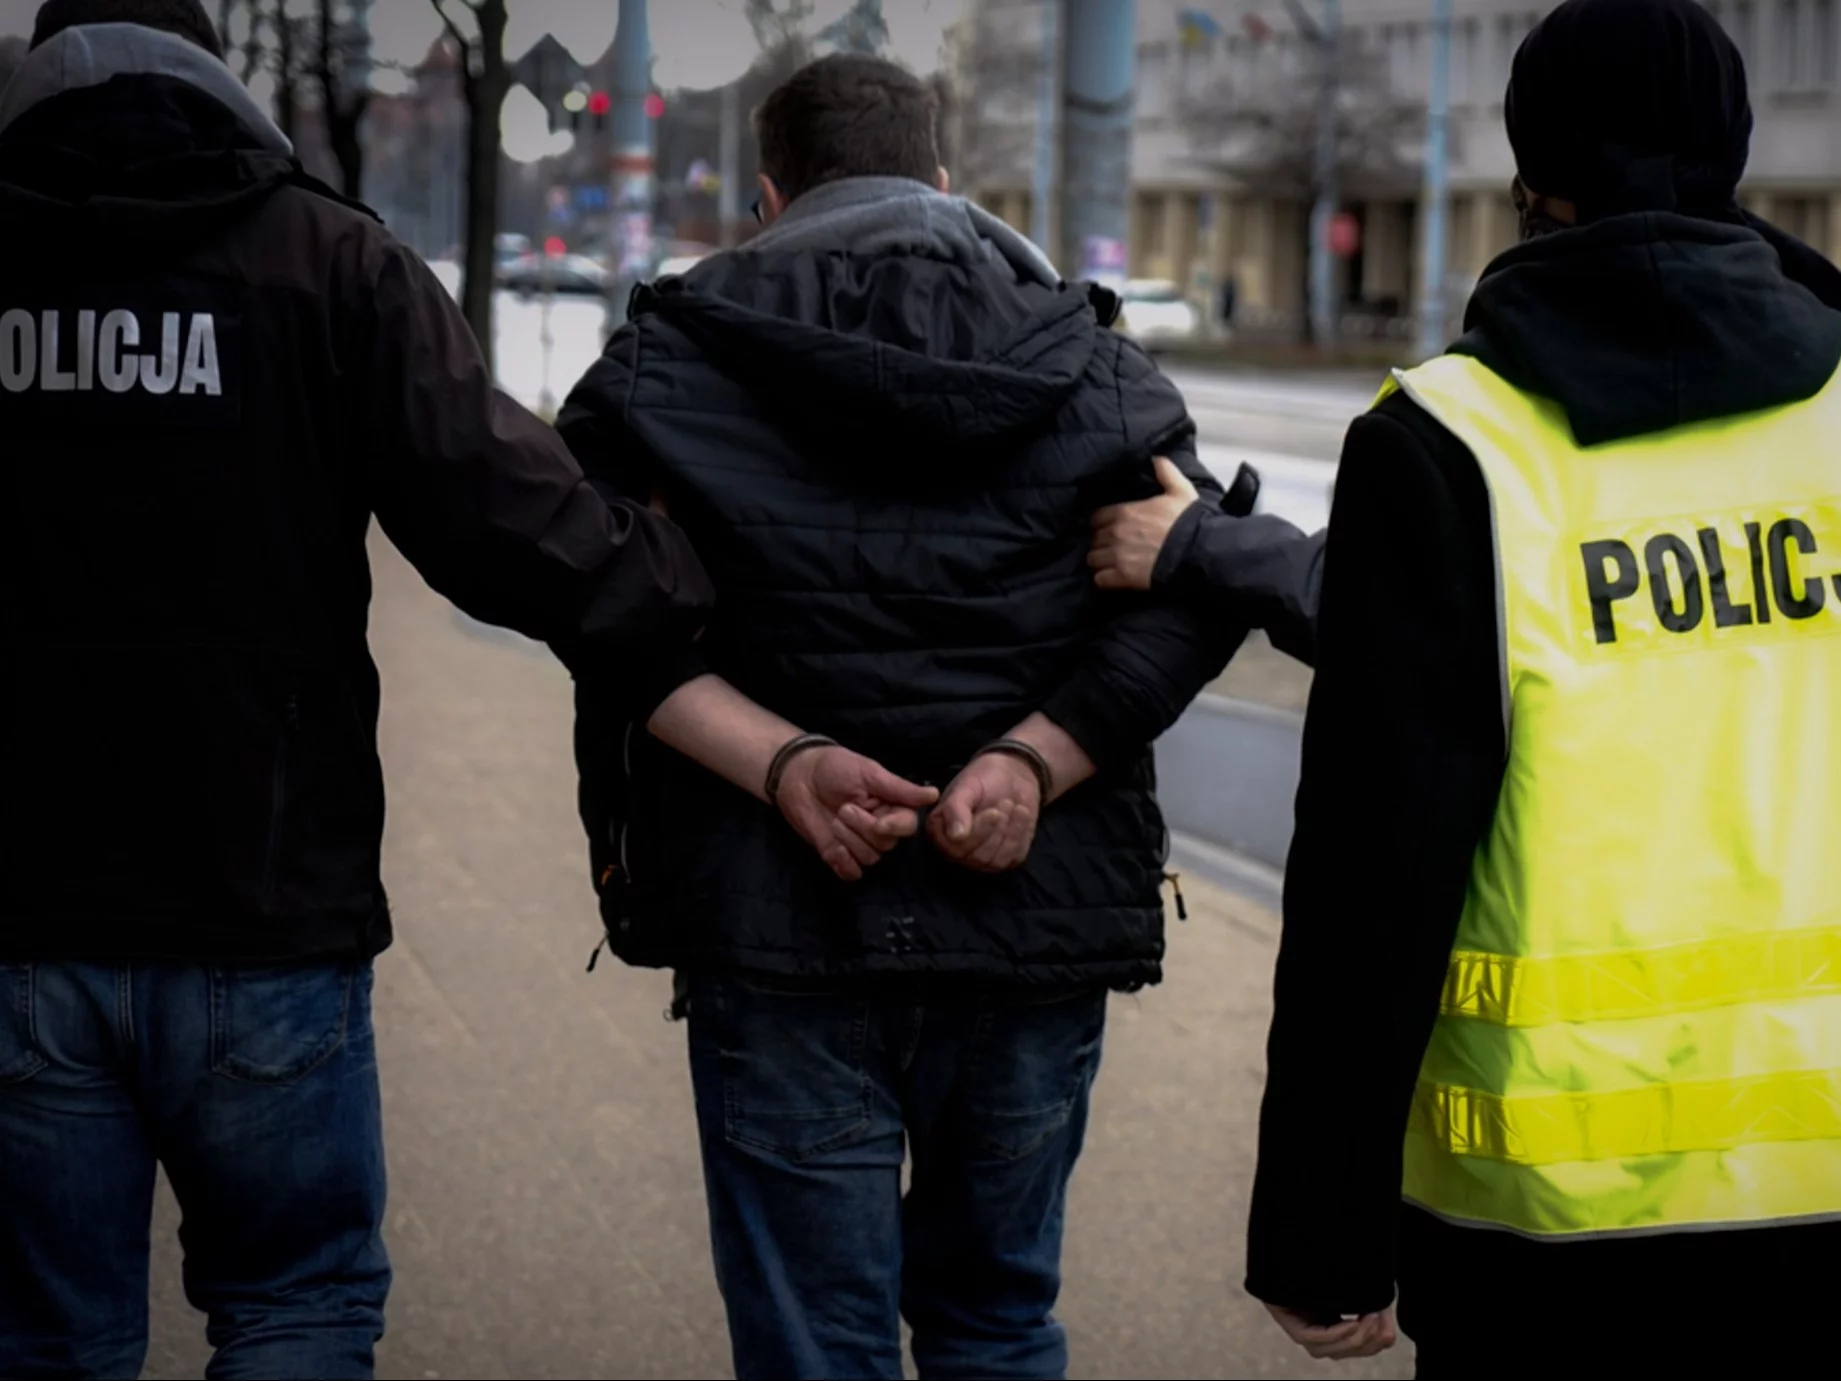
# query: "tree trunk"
344 114
486 89
285 103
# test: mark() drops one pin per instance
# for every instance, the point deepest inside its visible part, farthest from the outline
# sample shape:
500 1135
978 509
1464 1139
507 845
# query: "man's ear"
942 180
773 204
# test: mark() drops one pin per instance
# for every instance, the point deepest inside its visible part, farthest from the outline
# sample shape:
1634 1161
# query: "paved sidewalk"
547 1215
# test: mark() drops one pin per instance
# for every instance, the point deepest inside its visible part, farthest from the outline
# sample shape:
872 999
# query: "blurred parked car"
571 274
1156 313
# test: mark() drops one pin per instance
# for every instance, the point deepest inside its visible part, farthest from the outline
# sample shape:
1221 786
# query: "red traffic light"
554 247
600 103
655 105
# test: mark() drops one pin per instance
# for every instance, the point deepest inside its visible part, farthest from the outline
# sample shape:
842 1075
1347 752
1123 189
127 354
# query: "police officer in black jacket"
213 374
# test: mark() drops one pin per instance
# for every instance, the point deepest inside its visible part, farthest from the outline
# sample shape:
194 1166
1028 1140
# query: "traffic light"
655 106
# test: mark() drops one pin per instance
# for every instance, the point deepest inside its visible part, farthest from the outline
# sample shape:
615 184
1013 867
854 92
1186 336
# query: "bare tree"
485 81
1254 111
254 53
990 109
860 29
780 25
287 56
341 108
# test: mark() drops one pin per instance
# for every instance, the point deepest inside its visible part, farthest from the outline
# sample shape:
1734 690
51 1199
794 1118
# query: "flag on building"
1196 28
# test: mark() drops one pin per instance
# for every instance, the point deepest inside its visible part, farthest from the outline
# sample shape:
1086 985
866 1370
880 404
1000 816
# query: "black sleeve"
486 502
1154 654
1259 569
593 424
1403 761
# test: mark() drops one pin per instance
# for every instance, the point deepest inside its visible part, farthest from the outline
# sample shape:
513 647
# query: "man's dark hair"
187 18
848 115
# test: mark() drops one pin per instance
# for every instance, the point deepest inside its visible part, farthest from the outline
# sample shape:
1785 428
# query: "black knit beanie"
1630 105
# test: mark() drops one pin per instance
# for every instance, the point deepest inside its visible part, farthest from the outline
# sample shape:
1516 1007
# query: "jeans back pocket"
794 1083
19 1057
276 1024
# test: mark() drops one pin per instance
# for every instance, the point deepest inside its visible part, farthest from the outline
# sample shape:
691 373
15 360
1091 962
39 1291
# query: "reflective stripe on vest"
1641 1024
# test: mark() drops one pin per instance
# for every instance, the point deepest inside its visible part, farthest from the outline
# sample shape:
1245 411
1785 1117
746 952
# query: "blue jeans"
803 1100
256 1088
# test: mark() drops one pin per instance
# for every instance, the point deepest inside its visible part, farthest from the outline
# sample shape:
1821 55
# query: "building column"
1179 237
1226 244
1483 232
1384 257
1289 256
1256 266
1016 212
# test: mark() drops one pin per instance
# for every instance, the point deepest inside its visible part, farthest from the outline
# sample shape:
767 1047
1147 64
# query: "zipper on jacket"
621 868
1176 888
626 816
278 797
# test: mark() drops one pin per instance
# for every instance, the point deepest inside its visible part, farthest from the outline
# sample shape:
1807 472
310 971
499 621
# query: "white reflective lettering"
18 351
201 372
86 352
50 378
159 373
119 372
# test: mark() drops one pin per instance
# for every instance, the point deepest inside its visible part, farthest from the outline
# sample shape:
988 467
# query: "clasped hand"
852 810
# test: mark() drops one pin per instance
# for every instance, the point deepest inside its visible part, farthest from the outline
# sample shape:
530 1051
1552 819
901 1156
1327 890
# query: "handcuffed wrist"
789 750
1029 756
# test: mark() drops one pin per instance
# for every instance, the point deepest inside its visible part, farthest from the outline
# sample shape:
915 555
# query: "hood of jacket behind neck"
125 141
878 312
1640 323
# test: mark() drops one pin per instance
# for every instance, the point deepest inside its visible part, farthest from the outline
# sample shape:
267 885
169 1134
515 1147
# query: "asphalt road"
546 1210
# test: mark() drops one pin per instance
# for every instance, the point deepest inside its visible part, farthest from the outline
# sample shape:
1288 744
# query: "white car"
1156 313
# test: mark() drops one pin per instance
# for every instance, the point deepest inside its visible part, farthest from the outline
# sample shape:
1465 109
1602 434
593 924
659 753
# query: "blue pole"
1102 64
631 165
1432 308
1322 263
1048 115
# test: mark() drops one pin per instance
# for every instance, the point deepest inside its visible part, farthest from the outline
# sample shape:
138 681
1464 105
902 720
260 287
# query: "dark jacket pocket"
217 783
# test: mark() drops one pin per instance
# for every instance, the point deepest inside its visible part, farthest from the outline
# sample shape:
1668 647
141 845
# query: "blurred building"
1224 161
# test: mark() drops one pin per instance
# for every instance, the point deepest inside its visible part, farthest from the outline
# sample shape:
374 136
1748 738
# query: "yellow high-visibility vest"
1641 1022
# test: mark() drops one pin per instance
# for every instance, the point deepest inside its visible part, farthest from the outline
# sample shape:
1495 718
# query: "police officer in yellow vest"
1562 957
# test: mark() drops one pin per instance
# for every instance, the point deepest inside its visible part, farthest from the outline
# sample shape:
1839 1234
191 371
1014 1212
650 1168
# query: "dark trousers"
804 1101
1737 1302
256 1089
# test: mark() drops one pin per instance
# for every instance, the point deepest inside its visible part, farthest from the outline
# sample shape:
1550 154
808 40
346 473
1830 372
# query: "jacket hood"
1645 322
131 137
880 312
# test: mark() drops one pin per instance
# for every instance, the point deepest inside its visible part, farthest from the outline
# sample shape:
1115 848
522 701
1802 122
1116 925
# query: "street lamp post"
1048 118
1437 186
1101 71
631 164
1322 262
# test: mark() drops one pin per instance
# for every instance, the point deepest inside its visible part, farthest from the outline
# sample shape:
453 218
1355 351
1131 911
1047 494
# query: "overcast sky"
696 43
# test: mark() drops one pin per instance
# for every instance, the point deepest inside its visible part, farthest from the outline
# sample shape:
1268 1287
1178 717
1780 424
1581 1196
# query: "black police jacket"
213 374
